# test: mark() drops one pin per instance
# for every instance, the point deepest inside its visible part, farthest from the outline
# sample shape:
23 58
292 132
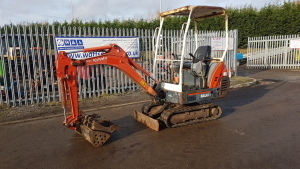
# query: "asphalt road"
258 129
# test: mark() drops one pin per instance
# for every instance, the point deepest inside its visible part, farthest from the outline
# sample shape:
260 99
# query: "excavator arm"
91 127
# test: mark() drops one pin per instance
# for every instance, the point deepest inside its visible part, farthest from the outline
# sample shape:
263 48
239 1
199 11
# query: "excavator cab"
194 74
191 66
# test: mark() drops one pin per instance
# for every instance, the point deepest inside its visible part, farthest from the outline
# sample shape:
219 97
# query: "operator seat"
202 53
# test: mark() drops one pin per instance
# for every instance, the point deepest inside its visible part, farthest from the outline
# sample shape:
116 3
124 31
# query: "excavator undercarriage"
157 117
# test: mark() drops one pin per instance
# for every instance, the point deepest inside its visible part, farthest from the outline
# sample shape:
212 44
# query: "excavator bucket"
146 120
95 130
97 138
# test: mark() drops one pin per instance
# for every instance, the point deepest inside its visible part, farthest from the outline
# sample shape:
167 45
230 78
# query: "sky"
47 11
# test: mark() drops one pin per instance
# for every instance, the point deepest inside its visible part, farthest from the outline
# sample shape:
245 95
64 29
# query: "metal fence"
272 52
28 55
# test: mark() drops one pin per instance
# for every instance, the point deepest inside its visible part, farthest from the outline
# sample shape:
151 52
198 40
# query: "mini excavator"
182 99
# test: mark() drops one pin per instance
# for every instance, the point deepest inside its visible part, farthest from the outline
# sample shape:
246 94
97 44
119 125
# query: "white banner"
219 43
129 44
295 43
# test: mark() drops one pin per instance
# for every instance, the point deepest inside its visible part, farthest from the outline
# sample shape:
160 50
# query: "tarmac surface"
259 128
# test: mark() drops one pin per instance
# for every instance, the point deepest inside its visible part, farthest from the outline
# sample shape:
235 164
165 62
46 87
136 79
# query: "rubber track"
165 116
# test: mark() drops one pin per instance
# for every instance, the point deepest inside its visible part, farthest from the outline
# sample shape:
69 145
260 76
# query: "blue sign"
67 42
79 42
73 42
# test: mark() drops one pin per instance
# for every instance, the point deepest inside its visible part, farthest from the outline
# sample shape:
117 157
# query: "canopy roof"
199 12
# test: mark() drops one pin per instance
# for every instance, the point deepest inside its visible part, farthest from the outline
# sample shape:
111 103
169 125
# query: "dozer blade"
146 120
95 130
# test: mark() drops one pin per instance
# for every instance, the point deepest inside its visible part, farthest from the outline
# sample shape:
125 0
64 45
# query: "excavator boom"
92 128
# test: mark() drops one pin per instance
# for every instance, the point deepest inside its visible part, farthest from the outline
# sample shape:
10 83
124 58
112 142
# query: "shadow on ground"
245 95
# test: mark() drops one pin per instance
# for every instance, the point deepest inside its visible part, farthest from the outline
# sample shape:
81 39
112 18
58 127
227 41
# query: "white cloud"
17 11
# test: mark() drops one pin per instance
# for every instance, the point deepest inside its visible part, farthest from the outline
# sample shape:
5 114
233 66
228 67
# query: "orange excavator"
183 99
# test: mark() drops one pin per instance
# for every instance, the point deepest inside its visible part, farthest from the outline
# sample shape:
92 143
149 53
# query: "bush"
269 20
